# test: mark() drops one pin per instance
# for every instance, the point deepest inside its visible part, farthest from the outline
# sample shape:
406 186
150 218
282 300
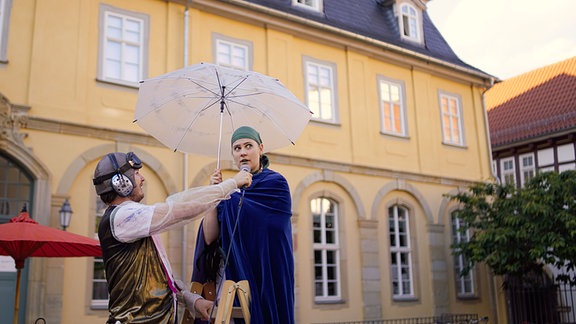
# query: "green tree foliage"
516 231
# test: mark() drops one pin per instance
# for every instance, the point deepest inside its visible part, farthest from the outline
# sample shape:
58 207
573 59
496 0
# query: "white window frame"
315 5
465 285
399 251
526 169
322 245
227 50
410 22
5 10
389 115
98 303
320 83
508 171
451 119
140 43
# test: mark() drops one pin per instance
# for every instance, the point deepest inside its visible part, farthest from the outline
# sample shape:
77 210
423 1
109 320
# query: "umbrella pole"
220 132
17 298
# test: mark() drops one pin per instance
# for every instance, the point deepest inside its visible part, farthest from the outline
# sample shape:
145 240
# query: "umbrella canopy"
23 237
197 108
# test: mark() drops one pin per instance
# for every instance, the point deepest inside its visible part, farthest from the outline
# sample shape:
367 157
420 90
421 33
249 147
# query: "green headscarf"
251 133
246 132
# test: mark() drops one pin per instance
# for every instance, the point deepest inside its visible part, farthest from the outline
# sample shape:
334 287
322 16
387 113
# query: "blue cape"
262 247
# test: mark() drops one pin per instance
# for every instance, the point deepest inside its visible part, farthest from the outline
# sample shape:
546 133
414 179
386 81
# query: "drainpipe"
491 284
492 171
184 245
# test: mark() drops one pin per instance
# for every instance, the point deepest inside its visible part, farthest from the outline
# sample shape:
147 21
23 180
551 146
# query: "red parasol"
23 237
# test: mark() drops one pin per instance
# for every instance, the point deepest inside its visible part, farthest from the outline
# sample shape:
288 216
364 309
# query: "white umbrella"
197 108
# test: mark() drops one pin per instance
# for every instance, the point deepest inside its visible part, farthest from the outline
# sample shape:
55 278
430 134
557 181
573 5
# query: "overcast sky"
506 38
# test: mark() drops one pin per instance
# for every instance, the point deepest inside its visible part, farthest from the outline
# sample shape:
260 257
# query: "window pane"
406 26
131 72
318 272
330 257
99 290
330 237
112 69
326 103
132 54
332 289
318 288
133 32
314 102
331 272
114 27
113 51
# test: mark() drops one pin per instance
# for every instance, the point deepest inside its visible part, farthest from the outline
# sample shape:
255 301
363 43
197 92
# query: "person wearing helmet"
138 273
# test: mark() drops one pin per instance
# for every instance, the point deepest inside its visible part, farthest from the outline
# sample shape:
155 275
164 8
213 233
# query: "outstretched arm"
134 221
195 202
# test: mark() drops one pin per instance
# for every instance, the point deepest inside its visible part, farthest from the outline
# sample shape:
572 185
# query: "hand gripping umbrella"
23 237
182 108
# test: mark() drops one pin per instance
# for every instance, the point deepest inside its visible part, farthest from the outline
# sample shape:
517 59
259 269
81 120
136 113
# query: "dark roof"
539 103
371 19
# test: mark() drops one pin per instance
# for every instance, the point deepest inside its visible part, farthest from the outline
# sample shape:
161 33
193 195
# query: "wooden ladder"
226 309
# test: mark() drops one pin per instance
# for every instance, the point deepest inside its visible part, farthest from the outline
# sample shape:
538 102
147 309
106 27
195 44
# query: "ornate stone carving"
12 118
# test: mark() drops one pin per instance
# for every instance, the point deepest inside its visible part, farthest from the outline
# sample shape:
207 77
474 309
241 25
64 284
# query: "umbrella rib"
205 88
263 113
221 86
172 99
193 121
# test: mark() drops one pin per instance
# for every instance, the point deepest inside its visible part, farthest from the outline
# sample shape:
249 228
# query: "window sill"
405 299
457 146
393 135
467 297
329 302
119 83
325 122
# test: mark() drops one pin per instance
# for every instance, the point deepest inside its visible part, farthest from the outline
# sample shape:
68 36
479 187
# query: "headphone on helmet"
120 183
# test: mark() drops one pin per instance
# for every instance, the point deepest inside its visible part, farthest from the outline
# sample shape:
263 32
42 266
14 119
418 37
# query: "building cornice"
67 128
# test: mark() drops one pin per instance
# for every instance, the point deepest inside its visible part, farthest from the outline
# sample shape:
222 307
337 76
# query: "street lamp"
65 214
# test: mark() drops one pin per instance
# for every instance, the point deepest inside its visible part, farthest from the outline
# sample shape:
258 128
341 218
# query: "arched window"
15 189
409 23
326 250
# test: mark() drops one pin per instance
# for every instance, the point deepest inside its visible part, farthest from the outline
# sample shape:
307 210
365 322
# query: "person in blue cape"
260 249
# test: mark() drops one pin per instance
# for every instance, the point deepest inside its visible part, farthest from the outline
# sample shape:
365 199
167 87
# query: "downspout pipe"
487 126
491 285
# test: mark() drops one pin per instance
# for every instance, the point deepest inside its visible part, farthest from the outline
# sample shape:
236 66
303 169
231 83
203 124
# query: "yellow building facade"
64 108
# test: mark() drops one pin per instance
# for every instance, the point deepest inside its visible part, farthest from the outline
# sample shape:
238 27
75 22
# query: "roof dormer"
409 15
